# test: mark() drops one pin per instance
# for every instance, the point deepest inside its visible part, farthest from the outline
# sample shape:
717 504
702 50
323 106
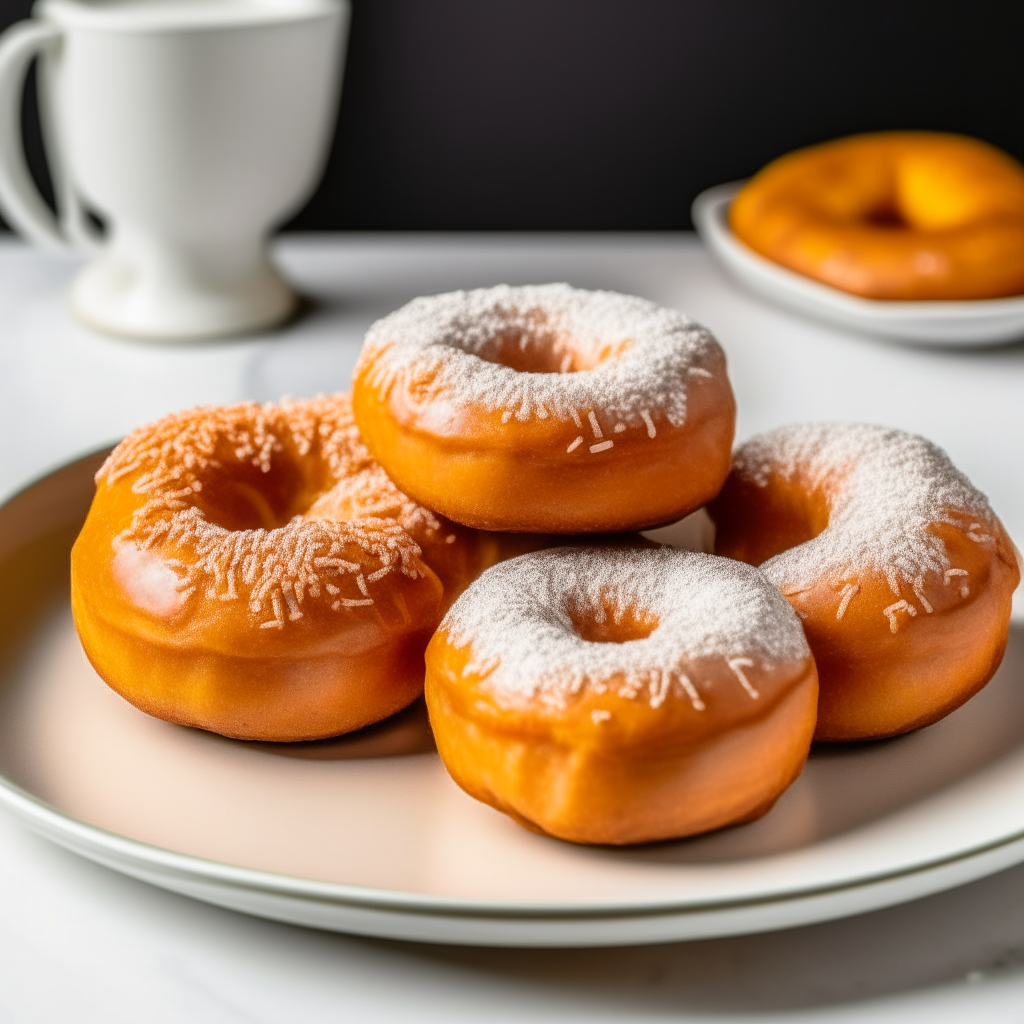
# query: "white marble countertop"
80 943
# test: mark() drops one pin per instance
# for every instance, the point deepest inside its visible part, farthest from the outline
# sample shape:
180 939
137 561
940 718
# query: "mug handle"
20 199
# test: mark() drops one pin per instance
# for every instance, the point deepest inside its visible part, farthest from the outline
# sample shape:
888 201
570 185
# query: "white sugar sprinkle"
363 520
634 360
885 489
517 620
738 665
849 592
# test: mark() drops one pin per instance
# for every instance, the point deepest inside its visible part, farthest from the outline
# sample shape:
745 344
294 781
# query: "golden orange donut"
893 215
250 570
618 695
546 409
900 571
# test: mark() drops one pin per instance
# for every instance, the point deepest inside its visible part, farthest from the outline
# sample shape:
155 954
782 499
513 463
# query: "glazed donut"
250 570
897 566
893 215
616 695
546 409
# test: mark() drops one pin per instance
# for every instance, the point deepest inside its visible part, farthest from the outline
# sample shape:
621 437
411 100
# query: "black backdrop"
613 114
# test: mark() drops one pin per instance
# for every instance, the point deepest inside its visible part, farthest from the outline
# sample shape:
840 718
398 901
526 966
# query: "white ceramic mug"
191 127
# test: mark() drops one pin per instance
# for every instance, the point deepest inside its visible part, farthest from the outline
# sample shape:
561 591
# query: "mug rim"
174 15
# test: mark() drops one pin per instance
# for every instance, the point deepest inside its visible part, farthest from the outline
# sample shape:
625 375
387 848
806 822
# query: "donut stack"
276 572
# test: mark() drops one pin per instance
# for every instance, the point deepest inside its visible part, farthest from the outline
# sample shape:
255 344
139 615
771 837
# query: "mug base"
114 298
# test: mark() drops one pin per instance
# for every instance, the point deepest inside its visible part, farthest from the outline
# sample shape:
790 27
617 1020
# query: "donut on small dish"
546 409
458 554
892 215
250 570
622 695
899 569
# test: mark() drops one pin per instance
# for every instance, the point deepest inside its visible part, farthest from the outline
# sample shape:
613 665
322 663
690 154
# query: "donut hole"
800 516
543 350
535 351
610 623
787 514
888 215
239 496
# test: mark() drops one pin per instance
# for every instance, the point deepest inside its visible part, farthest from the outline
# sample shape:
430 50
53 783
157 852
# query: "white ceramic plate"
367 834
963 323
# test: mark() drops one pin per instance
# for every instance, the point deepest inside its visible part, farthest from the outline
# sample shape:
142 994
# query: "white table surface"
79 943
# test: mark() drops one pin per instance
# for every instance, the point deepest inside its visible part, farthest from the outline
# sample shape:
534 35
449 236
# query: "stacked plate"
367 834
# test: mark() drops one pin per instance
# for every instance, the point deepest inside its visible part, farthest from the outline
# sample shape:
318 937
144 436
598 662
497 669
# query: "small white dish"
954 323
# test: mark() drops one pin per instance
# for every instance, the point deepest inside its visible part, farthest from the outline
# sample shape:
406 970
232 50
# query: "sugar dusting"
361 529
885 488
642 357
517 621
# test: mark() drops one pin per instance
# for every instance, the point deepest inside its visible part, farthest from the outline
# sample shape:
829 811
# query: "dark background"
613 114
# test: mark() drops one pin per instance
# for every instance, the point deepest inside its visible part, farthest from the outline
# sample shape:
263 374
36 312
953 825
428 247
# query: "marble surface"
78 942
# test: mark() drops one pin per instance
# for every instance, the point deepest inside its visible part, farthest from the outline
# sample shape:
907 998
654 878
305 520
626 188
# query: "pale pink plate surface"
368 833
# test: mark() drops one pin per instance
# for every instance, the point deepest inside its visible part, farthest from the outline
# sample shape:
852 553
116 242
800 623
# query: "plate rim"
50 821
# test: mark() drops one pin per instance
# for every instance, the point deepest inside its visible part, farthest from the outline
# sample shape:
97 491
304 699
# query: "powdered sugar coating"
641 356
517 621
885 488
276 571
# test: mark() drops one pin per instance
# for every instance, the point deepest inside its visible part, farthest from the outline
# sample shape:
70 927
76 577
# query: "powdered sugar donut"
251 570
618 695
897 566
546 408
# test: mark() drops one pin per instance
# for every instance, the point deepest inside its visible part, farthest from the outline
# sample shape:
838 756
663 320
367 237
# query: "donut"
897 566
252 571
892 215
546 409
618 695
